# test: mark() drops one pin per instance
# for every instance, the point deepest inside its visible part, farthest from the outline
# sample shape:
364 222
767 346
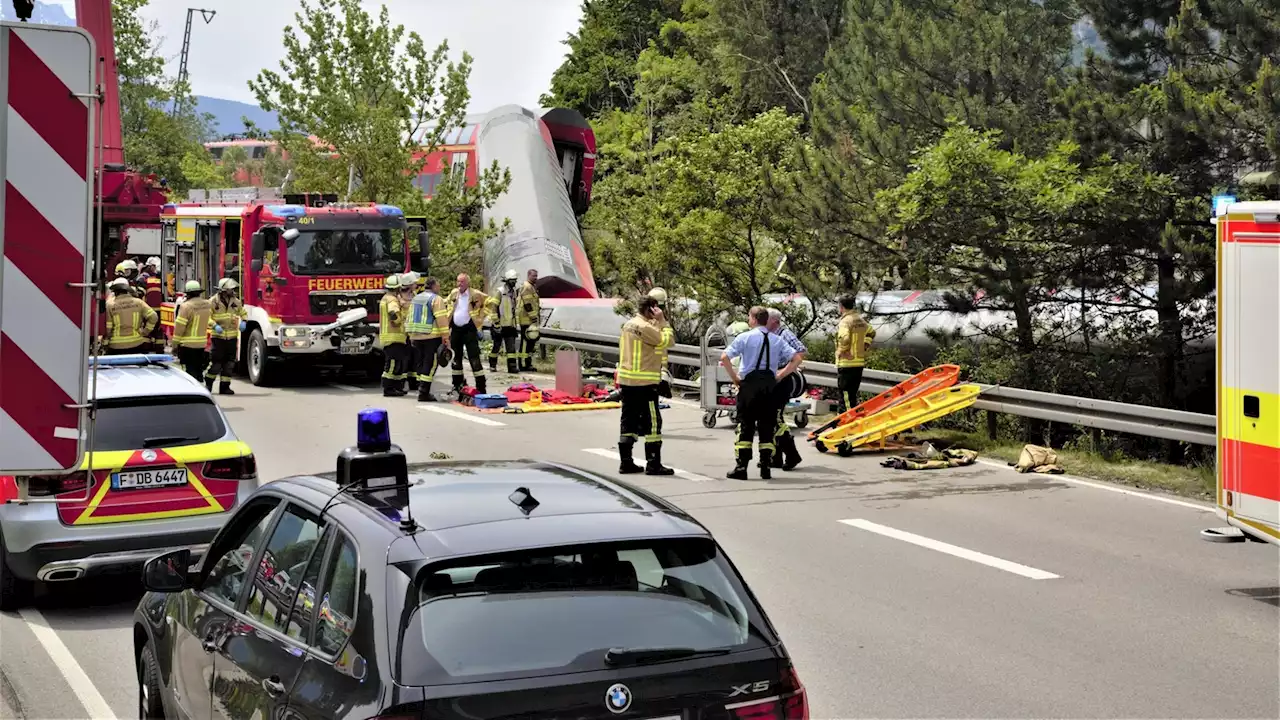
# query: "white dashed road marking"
94 704
695 477
347 388
477 419
949 549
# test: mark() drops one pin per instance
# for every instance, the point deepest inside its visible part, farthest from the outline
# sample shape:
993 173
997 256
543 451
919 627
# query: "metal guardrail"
1162 423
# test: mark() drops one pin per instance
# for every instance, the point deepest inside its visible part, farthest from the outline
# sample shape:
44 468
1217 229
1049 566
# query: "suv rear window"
140 423
568 606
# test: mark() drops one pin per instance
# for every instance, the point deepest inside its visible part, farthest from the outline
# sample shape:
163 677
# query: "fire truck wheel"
14 591
260 370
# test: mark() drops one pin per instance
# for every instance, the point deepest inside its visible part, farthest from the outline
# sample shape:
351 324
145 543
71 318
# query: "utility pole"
186 49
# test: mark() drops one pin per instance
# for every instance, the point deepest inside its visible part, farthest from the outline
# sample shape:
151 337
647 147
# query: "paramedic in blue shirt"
785 455
765 359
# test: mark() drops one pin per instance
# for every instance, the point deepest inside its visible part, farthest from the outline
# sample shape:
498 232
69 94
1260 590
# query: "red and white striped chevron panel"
45 216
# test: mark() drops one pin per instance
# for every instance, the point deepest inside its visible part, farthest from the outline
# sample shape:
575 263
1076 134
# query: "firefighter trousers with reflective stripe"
504 338
194 360
847 381
425 355
222 360
526 348
395 366
757 413
641 419
465 338
784 443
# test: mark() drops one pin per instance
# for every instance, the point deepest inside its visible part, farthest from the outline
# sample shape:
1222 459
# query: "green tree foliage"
599 73
360 95
155 141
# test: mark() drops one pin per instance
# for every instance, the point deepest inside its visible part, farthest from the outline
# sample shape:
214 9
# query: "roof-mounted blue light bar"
287 211
125 360
389 210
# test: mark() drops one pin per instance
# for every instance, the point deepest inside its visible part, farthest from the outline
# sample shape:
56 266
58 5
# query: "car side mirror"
169 572
257 246
424 259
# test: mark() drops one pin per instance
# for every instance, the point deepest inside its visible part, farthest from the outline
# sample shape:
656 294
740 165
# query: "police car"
457 590
166 470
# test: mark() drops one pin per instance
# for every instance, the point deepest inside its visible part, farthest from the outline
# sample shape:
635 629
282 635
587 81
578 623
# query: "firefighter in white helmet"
395 347
227 314
408 286
191 330
501 307
129 320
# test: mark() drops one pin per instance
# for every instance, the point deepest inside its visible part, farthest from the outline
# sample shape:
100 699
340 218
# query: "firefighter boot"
224 388
788 450
512 366
780 443
208 383
739 472
482 385
412 384
766 462
627 465
493 363
653 460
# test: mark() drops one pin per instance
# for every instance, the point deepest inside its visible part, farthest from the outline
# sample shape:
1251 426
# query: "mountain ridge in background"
227 115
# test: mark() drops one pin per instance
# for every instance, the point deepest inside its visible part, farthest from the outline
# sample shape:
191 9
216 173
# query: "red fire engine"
300 264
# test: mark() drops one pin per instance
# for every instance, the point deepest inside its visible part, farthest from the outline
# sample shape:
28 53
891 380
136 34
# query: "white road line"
695 477
477 419
949 549
1112 488
95 706
348 388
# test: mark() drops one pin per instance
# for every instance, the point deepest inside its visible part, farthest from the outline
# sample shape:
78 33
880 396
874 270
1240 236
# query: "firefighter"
128 270
153 294
191 330
765 359
639 372
786 455
664 387
502 309
129 320
391 334
528 316
227 313
465 306
408 288
428 328
853 339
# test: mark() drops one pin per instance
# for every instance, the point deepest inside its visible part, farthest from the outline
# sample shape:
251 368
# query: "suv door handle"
273 686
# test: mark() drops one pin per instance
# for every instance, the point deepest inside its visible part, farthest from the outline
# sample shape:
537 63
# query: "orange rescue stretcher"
922 383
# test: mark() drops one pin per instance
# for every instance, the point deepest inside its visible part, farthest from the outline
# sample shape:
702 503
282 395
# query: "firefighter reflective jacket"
476 310
501 309
853 339
129 322
227 315
391 320
639 361
192 322
428 317
153 291
528 305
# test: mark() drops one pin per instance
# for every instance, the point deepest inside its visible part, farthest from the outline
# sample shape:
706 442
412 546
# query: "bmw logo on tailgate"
617 698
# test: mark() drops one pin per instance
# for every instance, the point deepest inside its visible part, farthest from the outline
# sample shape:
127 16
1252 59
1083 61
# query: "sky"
516 44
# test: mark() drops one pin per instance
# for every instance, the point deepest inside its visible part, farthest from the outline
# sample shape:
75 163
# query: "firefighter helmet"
531 332
737 328
444 357
393 282
659 294
227 284
126 266
509 276
119 285
153 262
192 286
408 279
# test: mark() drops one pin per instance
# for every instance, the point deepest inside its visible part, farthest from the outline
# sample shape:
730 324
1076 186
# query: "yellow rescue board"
900 418
527 408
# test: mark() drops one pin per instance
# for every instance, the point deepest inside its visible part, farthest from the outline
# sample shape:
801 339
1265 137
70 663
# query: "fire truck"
311 272
1248 369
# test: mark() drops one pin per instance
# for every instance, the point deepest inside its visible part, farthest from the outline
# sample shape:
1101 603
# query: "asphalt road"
973 592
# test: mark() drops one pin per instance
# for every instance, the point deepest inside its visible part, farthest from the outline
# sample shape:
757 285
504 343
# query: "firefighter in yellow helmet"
501 309
227 314
408 283
639 373
664 388
191 330
395 347
853 340
129 320
528 316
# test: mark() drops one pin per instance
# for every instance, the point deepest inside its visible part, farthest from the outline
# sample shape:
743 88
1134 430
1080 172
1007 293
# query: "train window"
259 152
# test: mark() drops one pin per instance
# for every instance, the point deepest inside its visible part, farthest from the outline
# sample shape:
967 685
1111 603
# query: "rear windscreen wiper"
641 655
165 440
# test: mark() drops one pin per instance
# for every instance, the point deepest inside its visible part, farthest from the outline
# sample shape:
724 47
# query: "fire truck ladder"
186 50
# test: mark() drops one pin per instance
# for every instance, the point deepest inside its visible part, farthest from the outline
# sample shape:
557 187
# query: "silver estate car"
166 471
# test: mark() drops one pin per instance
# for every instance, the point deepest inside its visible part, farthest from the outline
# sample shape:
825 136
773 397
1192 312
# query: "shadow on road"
103 599
1268 595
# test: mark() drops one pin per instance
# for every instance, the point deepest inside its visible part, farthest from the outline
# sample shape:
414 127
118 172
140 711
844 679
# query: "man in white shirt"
466 316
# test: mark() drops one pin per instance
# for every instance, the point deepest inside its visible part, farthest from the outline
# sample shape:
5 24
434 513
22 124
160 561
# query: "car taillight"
791 704
241 468
46 485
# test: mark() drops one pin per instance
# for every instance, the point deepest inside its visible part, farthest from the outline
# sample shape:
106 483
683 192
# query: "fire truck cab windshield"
334 251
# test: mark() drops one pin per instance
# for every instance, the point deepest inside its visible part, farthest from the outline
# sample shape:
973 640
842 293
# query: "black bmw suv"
459 591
